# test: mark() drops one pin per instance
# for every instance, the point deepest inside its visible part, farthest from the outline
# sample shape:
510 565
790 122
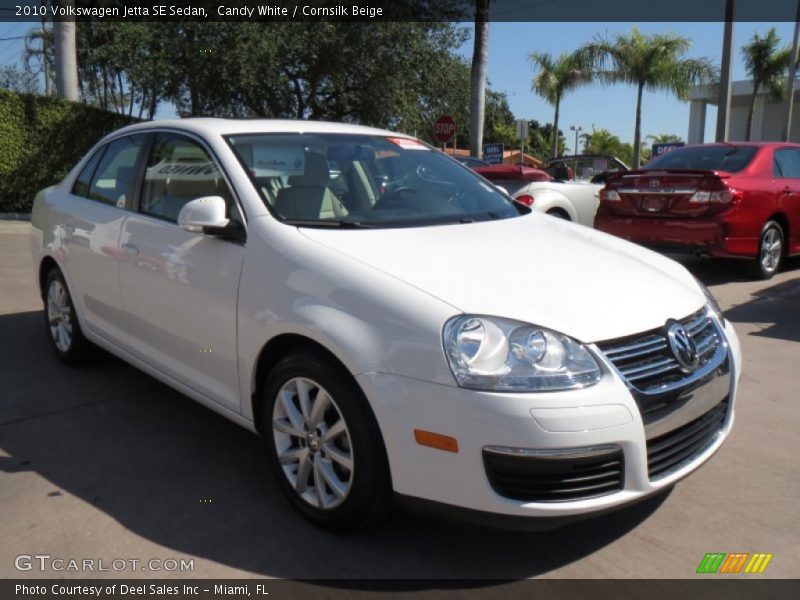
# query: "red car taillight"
723 196
525 199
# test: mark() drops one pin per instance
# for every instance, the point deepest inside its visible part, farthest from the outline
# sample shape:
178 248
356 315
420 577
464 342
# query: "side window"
112 182
786 164
81 185
179 170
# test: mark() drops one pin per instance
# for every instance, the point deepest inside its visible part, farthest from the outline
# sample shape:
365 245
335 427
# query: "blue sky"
509 70
612 108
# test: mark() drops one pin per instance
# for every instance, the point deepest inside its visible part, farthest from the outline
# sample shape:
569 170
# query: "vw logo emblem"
654 183
683 347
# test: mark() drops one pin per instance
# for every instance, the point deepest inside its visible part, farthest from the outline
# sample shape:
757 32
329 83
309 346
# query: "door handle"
130 250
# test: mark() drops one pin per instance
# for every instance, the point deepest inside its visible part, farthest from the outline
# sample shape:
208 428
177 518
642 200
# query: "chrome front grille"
647 362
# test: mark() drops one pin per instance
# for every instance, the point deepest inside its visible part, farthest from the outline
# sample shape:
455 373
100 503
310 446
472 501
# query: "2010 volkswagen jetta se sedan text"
359 299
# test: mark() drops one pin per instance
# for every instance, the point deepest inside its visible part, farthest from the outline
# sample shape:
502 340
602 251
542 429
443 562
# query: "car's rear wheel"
324 444
770 251
64 330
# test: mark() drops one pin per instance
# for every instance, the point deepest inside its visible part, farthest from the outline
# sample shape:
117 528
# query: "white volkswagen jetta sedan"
361 300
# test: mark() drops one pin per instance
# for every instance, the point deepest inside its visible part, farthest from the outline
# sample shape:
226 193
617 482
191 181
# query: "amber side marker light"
436 440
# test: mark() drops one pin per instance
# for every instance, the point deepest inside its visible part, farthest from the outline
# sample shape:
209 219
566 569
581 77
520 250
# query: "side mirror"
203 213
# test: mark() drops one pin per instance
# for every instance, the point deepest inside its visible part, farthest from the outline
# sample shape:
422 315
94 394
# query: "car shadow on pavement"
717 271
776 310
178 475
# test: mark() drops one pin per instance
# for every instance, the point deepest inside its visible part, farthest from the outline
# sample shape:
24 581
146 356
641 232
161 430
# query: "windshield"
365 181
731 159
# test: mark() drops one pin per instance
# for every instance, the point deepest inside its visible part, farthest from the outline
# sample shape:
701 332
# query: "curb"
15 216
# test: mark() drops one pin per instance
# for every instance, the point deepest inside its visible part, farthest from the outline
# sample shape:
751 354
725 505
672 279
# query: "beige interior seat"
176 192
308 195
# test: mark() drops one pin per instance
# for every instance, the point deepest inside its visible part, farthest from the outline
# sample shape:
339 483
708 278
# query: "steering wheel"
386 200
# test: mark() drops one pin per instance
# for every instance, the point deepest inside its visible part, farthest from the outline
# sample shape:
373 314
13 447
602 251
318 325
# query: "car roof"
213 126
735 143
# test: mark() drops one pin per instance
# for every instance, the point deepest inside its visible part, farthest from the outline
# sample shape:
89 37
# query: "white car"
575 201
358 299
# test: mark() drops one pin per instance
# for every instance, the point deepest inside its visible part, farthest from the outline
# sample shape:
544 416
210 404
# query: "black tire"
369 495
769 257
60 318
559 214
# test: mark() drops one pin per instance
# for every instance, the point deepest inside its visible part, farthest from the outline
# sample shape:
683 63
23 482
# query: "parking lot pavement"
104 462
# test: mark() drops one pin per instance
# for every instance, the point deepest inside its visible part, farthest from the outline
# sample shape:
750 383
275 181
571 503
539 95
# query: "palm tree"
66 58
601 141
554 78
664 138
477 85
648 61
766 64
39 50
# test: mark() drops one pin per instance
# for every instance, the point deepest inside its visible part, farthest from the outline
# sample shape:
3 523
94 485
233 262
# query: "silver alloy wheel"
59 316
312 443
771 250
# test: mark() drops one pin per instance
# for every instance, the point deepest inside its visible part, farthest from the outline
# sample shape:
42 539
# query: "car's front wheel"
770 251
64 330
324 443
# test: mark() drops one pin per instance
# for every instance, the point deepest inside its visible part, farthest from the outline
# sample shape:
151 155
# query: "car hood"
533 268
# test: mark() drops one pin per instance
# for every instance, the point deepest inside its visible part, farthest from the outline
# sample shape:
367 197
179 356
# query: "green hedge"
41 138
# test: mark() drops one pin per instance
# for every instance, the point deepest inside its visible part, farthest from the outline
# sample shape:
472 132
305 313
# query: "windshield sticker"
407 143
277 161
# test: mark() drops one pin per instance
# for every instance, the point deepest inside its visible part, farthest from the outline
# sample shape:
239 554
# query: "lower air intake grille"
669 452
557 477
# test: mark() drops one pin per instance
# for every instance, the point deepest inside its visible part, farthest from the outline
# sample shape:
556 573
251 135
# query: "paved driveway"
105 462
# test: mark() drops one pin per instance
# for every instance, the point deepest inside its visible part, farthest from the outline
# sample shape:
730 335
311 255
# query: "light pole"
577 130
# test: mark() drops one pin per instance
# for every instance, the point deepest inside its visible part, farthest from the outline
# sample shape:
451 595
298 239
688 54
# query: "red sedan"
737 200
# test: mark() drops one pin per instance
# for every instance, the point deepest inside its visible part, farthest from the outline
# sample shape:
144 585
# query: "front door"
179 289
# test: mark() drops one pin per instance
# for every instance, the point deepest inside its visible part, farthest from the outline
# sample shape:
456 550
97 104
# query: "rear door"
786 171
100 201
180 288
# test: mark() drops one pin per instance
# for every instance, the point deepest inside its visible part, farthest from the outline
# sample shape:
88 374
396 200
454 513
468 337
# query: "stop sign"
444 128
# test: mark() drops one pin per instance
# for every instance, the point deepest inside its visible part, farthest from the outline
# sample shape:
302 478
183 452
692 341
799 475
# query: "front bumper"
605 414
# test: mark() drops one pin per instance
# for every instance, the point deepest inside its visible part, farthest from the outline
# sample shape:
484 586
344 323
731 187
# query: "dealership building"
769 116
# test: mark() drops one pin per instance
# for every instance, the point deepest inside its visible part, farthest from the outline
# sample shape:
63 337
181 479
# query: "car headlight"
491 353
711 301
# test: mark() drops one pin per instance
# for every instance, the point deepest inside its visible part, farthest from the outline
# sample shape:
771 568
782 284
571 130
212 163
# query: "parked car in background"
372 310
738 199
592 168
471 161
512 177
570 191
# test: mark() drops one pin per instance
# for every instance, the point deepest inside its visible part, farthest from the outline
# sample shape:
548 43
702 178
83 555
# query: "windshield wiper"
328 223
